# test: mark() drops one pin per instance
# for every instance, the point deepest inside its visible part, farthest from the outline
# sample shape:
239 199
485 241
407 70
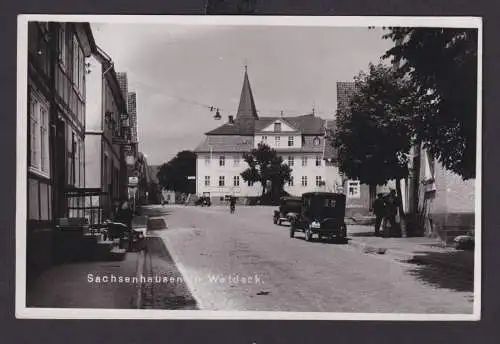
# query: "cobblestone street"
245 262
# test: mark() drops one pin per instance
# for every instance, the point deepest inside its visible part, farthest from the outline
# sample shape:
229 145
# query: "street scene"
251 167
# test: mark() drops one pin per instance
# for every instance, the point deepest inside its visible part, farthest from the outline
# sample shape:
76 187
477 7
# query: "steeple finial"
246 65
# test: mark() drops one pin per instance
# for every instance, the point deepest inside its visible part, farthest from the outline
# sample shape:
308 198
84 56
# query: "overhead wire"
213 107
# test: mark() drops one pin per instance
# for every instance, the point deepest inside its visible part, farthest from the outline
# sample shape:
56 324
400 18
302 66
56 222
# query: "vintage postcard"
249 167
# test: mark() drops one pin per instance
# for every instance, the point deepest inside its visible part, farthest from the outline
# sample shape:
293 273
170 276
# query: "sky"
179 70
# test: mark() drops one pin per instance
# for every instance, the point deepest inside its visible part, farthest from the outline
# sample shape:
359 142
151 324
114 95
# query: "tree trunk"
373 195
402 221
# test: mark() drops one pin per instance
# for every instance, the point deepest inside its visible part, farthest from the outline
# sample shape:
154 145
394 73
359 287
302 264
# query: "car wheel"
344 231
292 231
308 234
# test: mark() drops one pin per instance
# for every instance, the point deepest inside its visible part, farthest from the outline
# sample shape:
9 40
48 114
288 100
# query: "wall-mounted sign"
133 181
191 177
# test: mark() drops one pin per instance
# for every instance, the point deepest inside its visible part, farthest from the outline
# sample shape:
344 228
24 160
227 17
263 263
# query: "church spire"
246 108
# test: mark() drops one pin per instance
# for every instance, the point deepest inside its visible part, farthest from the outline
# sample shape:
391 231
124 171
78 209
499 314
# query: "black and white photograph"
248 167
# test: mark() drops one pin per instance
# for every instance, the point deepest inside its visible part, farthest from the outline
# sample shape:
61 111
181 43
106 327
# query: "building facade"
106 136
56 128
132 108
301 141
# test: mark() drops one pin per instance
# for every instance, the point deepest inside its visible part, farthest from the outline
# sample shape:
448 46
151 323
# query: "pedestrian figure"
379 211
392 203
232 204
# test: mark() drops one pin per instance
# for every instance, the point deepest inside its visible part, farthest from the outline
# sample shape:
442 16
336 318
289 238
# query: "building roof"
225 143
306 124
246 108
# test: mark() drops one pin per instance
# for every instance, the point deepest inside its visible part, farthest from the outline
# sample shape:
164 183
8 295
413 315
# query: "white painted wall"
93 123
93 89
330 174
93 161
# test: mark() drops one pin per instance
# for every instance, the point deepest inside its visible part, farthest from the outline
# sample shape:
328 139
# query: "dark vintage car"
321 214
289 207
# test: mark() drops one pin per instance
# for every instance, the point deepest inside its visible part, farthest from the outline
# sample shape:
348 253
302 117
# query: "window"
319 182
304 180
78 66
277 141
316 141
290 161
39 134
62 45
236 161
207 160
236 181
76 48
222 181
207 180
264 138
290 141
277 127
318 160
304 161
290 182
330 203
250 183
353 189
222 160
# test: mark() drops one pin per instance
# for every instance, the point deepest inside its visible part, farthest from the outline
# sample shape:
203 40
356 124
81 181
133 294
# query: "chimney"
231 119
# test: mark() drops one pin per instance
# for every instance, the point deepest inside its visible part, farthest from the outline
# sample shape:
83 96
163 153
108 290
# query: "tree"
374 132
267 168
443 64
173 175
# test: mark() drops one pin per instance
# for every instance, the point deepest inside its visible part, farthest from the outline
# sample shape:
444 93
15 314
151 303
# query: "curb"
407 256
140 268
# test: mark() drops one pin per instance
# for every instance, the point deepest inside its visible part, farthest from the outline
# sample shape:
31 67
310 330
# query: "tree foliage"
267 168
173 175
374 133
443 64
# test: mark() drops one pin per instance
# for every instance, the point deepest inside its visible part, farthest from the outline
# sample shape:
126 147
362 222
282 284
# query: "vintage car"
289 207
321 214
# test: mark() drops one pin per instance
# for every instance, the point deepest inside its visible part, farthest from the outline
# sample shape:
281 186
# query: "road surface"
244 262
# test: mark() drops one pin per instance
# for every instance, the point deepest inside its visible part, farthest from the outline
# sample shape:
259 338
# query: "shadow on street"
325 241
445 277
173 296
363 234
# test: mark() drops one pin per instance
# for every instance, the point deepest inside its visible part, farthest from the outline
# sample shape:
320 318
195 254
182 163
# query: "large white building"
299 140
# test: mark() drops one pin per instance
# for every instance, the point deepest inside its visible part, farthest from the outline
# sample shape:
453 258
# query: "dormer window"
316 141
277 127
